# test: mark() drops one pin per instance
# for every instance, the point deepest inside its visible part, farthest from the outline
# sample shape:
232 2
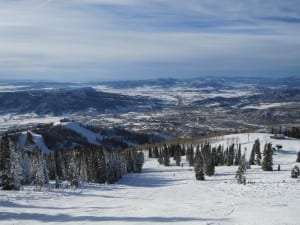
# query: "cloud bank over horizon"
131 39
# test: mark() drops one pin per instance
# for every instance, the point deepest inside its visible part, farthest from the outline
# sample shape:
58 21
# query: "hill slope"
170 195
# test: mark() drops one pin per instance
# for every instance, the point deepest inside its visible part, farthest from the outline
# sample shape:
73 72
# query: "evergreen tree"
268 158
83 174
17 172
102 170
26 165
39 176
240 173
166 156
5 163
150 152
214 156
177 154
298 157
199 166
219 156
139 161
252 156
73 173
155 152
238 156
295 173
11 171
257 152
160 157
230 155
190 155
209 163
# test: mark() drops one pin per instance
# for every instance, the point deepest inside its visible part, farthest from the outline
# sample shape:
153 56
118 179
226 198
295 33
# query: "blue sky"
87 40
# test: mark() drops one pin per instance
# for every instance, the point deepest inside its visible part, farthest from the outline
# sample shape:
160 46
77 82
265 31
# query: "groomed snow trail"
168 195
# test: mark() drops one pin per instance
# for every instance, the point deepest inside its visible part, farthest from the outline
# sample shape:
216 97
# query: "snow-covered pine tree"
26 165
177 154
238 156
209 164
240 173
139 161
252 155
190 155
267 164
102 167
73 173
39 177
230 156
257 152
219 156
82 167
166 156
295 172
5 163
199 166
11 171
17 172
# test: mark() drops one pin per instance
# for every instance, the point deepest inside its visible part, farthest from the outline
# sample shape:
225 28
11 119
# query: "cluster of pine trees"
165 152
82 164
204 157
287 131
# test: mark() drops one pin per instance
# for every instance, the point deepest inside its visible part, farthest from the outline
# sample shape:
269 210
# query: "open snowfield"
170 195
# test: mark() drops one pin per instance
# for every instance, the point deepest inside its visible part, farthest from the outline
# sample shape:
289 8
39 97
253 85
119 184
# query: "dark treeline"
288 131
81 164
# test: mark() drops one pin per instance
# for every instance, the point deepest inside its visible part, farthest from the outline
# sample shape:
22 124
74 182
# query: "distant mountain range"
60 101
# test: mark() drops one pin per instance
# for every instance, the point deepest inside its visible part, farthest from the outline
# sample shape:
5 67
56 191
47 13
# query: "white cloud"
115 37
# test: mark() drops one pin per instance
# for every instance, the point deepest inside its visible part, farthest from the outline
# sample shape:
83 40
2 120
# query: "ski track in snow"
169 195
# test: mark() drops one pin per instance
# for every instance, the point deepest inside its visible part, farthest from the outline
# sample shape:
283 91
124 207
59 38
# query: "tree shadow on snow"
147 171
149 181
287 152
68 218
8 204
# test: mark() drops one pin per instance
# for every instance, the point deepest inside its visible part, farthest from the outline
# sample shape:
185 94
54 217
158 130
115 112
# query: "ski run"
171 195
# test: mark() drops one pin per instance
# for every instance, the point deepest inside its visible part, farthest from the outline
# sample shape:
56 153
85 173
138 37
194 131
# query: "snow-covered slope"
91 137
37 139
170 195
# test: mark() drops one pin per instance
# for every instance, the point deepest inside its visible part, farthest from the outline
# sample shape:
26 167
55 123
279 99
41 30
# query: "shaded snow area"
170 195
91 137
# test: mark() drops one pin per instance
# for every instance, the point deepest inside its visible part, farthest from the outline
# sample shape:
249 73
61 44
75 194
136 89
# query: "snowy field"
170 195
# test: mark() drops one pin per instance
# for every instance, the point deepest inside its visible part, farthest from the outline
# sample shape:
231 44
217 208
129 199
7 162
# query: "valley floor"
168 195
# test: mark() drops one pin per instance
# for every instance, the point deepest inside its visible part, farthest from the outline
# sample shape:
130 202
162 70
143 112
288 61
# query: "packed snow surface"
170 195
